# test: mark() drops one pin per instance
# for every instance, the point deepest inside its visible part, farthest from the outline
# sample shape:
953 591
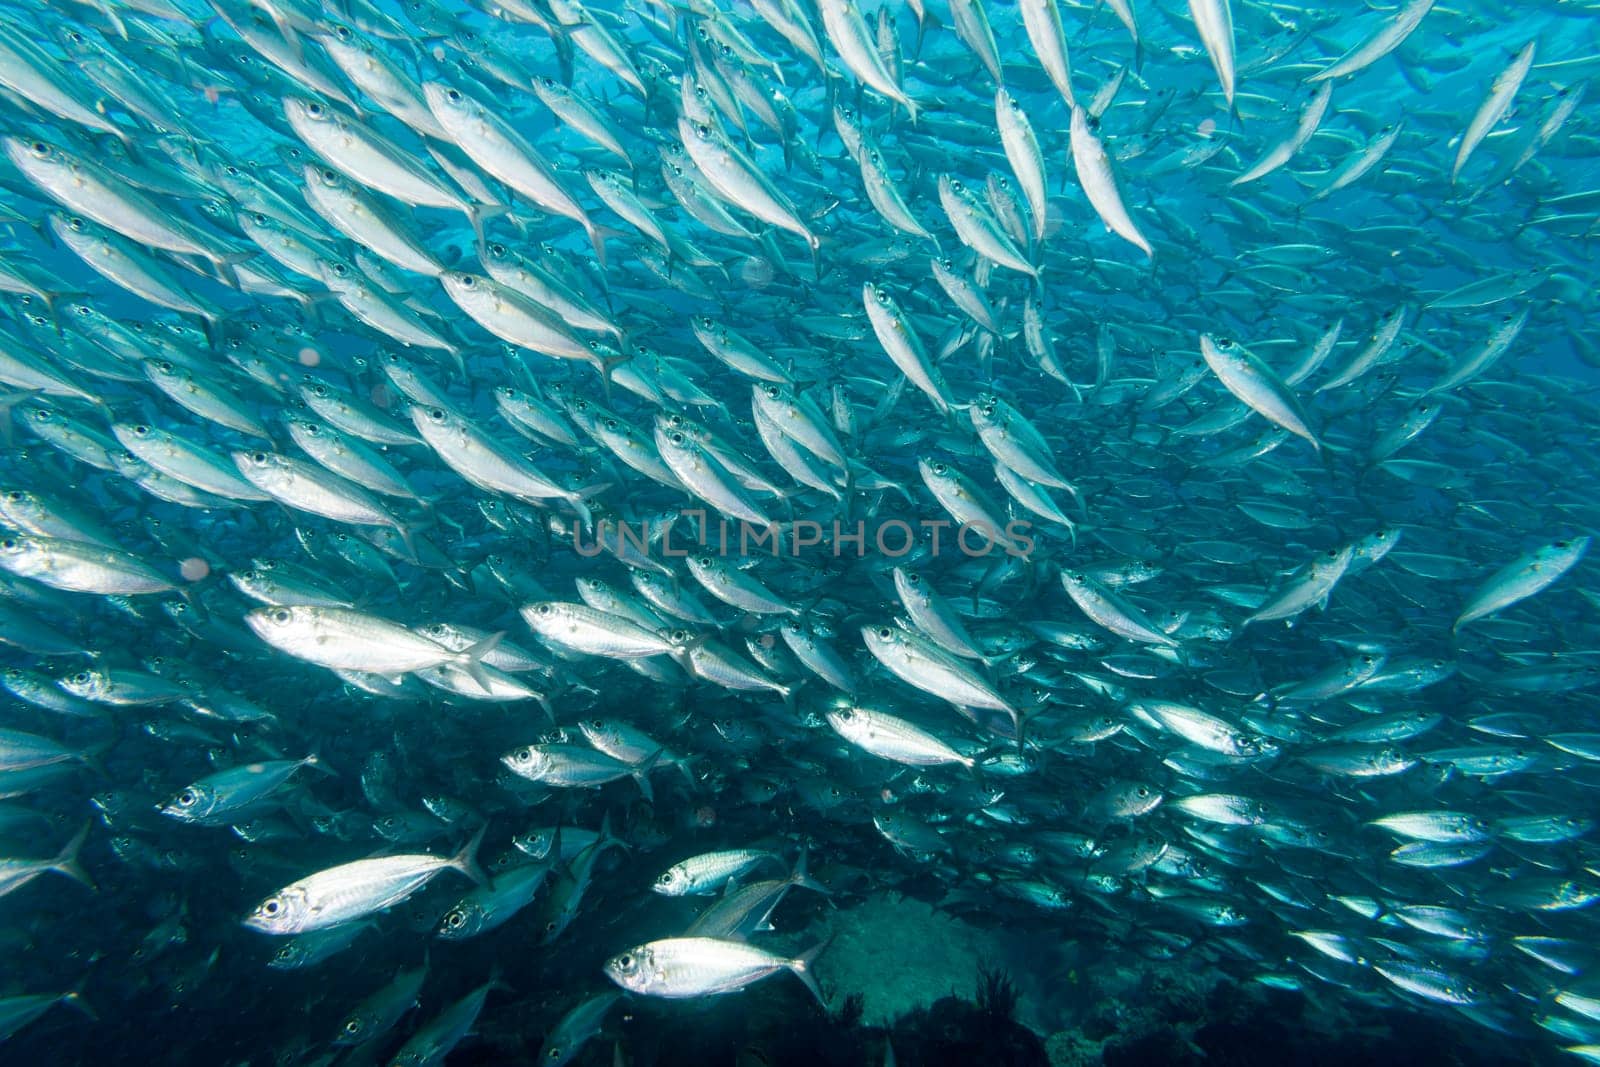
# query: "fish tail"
607 838
466 861
641 774
470 659
801 966
66 861
597 238
315 762
799 877
75 999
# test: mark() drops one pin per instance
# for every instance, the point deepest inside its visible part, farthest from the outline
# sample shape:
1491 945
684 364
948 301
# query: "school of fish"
582 471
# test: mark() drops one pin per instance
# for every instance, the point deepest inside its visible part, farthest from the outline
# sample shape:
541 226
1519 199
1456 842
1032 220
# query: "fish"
383 1010
352 891
16 873
1494 106
702 966
1092 165
1522 578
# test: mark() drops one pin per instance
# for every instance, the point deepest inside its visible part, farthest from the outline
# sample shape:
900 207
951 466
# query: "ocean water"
717 532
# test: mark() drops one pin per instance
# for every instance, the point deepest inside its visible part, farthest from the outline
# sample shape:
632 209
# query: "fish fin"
66 861
688 771
641 774
315 761
801 966
477 213
800 878
6 404
225 264
597 238
606 837
470 659
466 861
75 1000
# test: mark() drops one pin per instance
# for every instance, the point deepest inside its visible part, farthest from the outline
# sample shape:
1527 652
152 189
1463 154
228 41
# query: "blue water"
1051 835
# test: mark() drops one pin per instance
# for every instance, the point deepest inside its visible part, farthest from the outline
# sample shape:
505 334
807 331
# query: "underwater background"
780 532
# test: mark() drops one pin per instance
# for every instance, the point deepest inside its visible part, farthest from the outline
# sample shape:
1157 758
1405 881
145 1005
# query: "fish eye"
705 561
1143 791
554 1054
281 616
436 414
354 1025
665 878
314 110
81 678
455 920
272 906
141 430
773 392
884 633
625 962
329 176
956 186
611 424
678 439
847 715
467 281
187 798
40 149
453 95
497 249
258 458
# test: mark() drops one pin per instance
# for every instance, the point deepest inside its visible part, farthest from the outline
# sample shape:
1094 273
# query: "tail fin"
641 774
466 861
597 238
607 837
801 966
798 877
66 861
75 999
315 762
470 659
